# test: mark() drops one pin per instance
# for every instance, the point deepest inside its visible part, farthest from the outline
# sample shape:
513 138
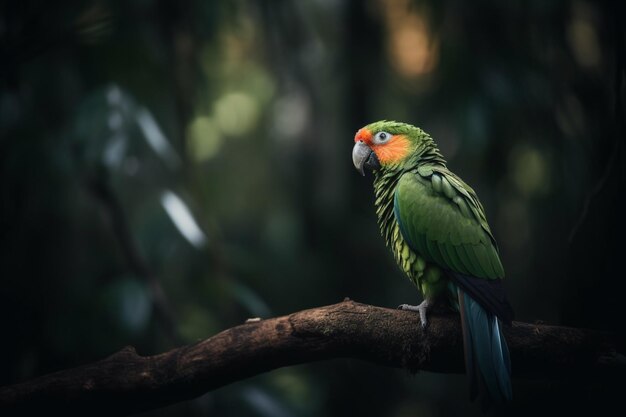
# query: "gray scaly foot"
421 308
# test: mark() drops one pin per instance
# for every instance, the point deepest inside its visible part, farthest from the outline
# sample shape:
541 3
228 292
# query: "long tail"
486 353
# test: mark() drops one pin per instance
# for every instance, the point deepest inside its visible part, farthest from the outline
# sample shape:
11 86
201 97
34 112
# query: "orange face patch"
392 151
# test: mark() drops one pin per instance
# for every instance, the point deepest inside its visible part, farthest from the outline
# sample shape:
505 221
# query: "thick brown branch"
126 382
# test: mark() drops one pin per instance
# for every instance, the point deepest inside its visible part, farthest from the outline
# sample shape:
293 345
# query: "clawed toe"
421 309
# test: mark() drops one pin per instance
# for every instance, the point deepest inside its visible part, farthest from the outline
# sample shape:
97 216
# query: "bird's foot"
421 308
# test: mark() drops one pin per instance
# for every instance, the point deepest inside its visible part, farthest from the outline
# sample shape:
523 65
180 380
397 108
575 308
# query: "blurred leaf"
128 303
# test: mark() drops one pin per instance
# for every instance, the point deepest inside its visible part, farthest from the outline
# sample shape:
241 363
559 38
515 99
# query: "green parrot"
437 230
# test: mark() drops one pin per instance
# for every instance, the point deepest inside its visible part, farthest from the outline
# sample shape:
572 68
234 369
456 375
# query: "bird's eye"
382 137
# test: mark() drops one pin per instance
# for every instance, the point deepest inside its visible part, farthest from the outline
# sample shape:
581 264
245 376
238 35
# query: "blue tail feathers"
486 353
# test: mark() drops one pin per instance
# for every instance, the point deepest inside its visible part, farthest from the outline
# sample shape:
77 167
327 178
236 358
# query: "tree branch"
125 382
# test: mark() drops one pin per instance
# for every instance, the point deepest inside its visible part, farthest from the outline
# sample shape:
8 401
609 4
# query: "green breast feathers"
430 218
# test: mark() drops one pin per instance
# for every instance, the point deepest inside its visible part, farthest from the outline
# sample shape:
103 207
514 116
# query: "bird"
437 230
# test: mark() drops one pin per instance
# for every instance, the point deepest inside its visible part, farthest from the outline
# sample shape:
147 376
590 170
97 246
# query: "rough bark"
126 382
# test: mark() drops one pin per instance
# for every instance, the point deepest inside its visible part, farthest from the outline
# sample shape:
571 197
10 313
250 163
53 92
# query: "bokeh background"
169 169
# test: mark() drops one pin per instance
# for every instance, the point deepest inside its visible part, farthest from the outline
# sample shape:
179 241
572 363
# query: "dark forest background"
171 168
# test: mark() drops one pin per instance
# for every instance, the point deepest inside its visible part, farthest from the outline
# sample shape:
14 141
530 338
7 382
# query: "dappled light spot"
292 114
156 139
204 138
236 113
183 219
412 48
529 170
582 37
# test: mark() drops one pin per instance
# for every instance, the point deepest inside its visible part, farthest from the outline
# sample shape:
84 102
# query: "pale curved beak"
363 157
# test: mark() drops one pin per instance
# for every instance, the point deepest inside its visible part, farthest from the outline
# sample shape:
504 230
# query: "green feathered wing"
441 218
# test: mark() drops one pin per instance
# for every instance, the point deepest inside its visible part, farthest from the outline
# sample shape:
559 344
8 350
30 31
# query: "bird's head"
388 146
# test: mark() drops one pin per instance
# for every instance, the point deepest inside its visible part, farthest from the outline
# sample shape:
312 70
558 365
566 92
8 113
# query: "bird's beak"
364 157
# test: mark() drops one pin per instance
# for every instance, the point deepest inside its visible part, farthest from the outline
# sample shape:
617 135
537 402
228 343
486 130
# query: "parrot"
438 233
